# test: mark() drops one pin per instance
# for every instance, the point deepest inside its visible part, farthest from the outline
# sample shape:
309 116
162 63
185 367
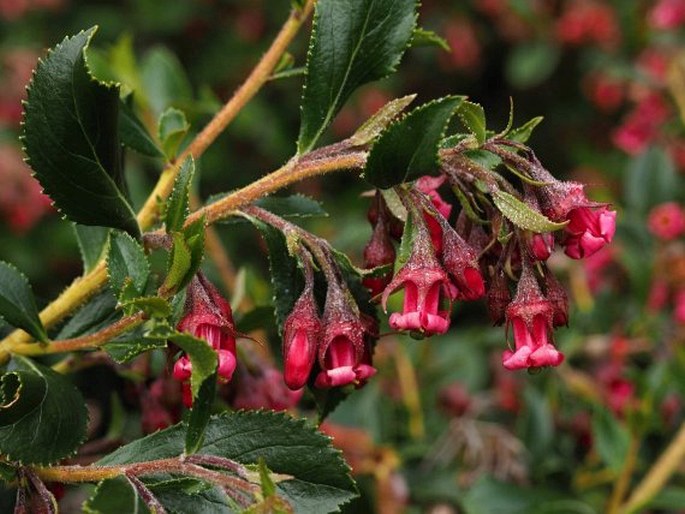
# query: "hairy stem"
658 475
84 287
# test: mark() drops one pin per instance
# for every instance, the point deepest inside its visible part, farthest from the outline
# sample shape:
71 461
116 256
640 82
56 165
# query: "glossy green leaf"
95 314
71 138
377 123
92 243
523 216
152 306
177 204
17 305
286 279
134 135
293 206
115 496
127 267
173 127
472 116
423 37
320 478
194 235
409 147
164 80
522 134
125 348
199 415
353 42
43 416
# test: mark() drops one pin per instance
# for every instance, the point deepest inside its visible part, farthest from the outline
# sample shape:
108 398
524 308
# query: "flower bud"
588 231
556 294
378 252
461 262
498 298
300 338
541 246
429 186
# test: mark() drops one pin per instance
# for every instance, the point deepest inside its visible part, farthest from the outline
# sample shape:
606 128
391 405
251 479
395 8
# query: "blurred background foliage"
443 428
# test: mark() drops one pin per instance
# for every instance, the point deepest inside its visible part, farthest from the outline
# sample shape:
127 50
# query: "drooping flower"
342 343
530 315
541 246
300 339
461 262
499 297
429 186
425 284
207 316
588 230
556 294
379 252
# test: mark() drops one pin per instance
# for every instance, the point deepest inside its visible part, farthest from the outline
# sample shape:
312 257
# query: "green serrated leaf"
522 134
177 204
70 135
127 347
320 478
353 42
293 206
92 242
134 135
194 235
523 216
115 496
286 279
377 123
172 128
179 264
472 116
423 37
43 416
152 306
406 244
127 267
17 304
100 311
409 147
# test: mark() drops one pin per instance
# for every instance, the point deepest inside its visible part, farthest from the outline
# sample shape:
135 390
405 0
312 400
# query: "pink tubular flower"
300 338
588 231
424 282
429 186
209 317
461 262
342 344
667 221
530 315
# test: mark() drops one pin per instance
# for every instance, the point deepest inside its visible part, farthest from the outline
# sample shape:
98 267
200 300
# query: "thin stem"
89 341
659 474
84 287
623 482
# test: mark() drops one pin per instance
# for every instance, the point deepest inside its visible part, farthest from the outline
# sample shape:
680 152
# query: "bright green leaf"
164 80
408 148
423 37
177 205
472 116
92 243
377 123
127 267
17 305
522 134
42 415
180 261
353 42
71 138
173 127
523 216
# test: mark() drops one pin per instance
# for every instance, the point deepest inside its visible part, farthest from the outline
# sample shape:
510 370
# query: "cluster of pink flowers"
335 348
208 317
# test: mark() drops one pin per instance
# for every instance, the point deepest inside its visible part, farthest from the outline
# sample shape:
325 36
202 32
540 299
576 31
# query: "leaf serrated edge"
7 456
23 277
147 263
190 162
